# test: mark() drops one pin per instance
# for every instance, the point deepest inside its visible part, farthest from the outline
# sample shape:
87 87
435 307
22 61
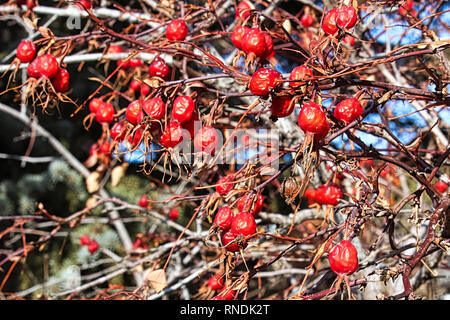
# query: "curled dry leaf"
157 279
93 182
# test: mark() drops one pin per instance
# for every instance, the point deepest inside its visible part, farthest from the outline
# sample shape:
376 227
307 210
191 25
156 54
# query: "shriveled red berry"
299 73
155 108
346 17
105 113
228 237
348 110
26 51
84 4
177 30
143 201
343 258
223 218
134 112
33 70
307 20
47 66
264 80
282 106
159 68
173 214
329 25
61 81
215 282
238 35
183 108
254 42
172 135
441 186
95 104
223 185
243 224
312 120
84 240
93 246
206 140
248 203
118 131
242 9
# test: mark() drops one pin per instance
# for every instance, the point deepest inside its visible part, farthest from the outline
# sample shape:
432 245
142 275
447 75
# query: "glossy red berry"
223 185
299 73
61 81
206 140
264 80
333 194
242 10
228 237
84 240
135 63
249 203
307 20
84 4
254 42
47 66
343 258
95 104
238 35
118 131
173 214
190 126
183 108
346 17
105 113
26 51
329 25
282 106
177 30
441 186
155 108
33 70
348 110
269 46
145 89
312 120
223 218
215 282
243 224
159 68
172 135
134 112
143 201
93 246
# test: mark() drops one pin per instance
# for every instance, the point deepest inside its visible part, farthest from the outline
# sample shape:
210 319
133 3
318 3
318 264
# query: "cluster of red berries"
324 194
235 227
43 66
254 42
92 245
343 18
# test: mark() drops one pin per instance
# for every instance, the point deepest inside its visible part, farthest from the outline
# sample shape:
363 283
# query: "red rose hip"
183 108
243 224
206 140
223 187
47 66
26 51
249 203
312 120
61 81
177 30
343 258
223 218
263 81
